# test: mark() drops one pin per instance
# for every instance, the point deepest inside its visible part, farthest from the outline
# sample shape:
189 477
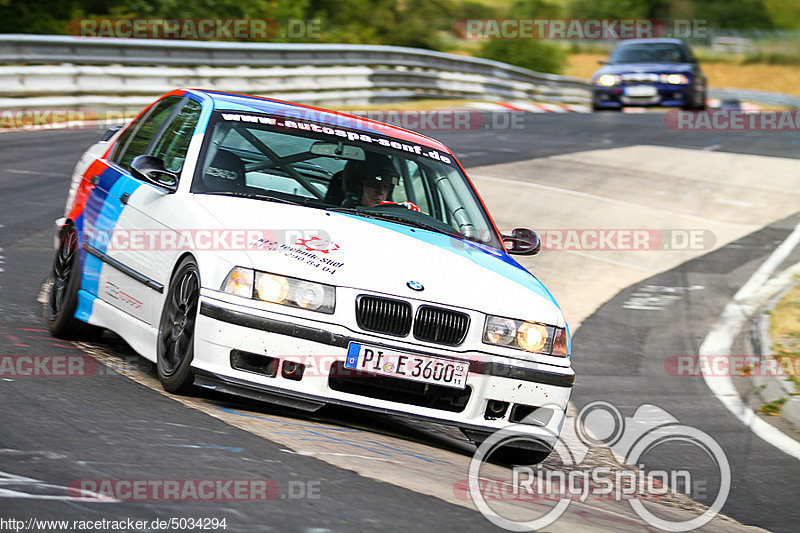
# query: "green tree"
540 56
618 9
738 14
533 54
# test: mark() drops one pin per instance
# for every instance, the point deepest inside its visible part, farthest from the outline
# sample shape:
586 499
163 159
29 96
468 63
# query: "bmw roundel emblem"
415 285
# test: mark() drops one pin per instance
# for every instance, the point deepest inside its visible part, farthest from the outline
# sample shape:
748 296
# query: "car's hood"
655 68
375 255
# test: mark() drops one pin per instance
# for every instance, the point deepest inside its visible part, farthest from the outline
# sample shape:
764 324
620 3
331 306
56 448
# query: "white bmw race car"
306 257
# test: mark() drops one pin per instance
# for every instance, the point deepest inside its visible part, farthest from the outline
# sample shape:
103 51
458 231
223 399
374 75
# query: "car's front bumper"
224 329
665 95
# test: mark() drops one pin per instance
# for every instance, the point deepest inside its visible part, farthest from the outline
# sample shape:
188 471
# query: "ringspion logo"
600 425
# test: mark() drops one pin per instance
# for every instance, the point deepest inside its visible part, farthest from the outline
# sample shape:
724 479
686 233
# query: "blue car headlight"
675 79
607 80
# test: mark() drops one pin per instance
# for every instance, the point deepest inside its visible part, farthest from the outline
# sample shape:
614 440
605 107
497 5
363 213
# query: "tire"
695 106
62 300
175 347
702 105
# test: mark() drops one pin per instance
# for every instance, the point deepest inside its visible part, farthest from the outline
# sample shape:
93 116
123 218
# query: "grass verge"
784 328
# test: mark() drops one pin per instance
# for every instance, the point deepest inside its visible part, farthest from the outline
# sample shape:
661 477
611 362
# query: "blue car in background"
649 73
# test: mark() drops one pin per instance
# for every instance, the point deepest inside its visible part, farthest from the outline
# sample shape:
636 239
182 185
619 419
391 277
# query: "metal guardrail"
125 74
81 69
757 97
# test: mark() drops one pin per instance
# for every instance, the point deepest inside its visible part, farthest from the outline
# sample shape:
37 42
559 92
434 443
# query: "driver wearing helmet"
369 182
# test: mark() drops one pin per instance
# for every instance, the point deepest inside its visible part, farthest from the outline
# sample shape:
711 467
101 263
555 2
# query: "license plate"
424 368
640 90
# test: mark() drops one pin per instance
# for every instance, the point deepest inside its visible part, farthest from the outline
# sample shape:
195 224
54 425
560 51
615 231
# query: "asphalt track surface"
54 431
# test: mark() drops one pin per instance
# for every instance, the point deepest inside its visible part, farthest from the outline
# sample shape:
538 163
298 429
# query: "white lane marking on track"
30 488
594 197
34 172
339 454
756 291
737 203
607 260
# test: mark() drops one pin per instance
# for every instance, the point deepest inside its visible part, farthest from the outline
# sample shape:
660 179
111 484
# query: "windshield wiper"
256 197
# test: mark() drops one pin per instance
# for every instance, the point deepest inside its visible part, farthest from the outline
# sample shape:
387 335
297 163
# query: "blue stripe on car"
102 212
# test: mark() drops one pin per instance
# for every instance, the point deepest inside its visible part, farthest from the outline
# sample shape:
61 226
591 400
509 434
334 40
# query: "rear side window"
174 142
138 142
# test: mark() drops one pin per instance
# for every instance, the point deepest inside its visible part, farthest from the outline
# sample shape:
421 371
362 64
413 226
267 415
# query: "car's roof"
259 104
649 41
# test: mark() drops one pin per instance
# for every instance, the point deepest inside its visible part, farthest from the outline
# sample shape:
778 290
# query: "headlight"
532 337
282 290
271 288
607 80
528 336
674 79
500 330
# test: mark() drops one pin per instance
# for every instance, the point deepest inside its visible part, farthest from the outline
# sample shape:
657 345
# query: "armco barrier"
47 71
80 72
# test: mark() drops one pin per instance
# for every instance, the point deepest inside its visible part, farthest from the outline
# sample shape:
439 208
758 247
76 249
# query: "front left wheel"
62 301
176 331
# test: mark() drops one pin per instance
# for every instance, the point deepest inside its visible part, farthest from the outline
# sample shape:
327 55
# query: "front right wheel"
175 350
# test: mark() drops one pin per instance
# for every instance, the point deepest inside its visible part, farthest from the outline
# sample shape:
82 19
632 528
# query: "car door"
136 250
98 205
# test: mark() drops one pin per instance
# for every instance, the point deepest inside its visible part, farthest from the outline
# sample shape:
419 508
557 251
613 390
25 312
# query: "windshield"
648 53
330 167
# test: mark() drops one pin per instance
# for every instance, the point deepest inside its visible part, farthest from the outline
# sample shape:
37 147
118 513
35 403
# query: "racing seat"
225 173
335 194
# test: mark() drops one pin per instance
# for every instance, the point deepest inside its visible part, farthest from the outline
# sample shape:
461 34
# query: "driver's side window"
141 133
174 142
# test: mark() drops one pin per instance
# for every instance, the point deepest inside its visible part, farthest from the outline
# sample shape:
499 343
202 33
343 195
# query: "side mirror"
522 241
110 132
601 61
152 170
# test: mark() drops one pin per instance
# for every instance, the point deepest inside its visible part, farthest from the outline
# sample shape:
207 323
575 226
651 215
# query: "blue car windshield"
648 53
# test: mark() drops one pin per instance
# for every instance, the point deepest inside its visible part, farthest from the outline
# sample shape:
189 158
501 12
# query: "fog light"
495 409
292 370
530 414
253 362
